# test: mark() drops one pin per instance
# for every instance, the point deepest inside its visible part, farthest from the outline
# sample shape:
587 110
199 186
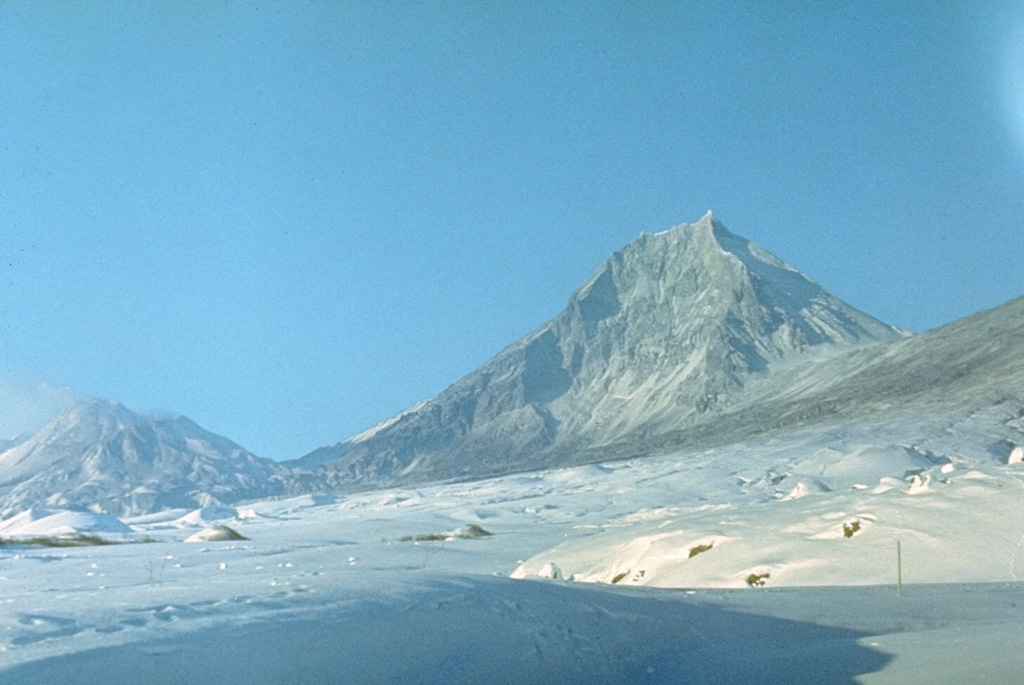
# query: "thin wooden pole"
899 570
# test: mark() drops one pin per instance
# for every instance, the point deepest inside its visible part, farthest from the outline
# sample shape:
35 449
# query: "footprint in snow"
53 627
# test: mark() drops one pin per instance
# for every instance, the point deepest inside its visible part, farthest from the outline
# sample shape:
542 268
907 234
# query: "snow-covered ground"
653 559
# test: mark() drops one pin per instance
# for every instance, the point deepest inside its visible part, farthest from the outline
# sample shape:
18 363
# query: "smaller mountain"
101 456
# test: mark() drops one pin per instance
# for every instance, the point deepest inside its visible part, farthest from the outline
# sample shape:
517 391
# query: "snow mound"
7 526
886 484
918 484
43 522
578 474
805 487
550 570
864 465
1016 455
470 532
168 516
216 534
205 515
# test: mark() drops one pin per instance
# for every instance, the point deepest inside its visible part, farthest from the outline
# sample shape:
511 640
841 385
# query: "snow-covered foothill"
167 516
12 524
839 536
45 523
207 515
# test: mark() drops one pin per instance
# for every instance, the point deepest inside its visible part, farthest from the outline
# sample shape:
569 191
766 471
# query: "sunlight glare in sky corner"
1013 78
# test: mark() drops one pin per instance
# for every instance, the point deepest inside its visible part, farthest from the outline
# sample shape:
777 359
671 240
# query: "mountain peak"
108 413
710 225
668 330
98 405
705 235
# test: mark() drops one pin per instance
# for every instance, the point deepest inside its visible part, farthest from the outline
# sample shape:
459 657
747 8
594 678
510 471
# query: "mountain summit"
669 329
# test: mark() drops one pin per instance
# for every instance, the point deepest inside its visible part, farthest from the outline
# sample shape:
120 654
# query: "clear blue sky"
290 220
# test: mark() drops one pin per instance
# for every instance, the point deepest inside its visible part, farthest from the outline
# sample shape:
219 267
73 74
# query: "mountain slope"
8 443
101 456
972 364
962 384
668 330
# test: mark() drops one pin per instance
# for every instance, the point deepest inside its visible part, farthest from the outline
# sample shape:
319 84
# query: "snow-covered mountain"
915 390
667 332
100 455
683 340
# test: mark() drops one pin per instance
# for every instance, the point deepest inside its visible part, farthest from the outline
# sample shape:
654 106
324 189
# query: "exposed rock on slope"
667 332
101 456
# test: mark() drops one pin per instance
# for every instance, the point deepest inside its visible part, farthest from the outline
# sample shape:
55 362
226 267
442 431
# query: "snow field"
391 584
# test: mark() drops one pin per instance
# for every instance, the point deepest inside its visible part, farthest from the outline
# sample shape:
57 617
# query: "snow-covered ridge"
50 523
383 425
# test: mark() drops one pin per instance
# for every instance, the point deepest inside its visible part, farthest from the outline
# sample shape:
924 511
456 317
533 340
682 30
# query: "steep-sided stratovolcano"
668 330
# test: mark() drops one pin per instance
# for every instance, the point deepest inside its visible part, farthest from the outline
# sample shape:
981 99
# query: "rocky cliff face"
667 331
